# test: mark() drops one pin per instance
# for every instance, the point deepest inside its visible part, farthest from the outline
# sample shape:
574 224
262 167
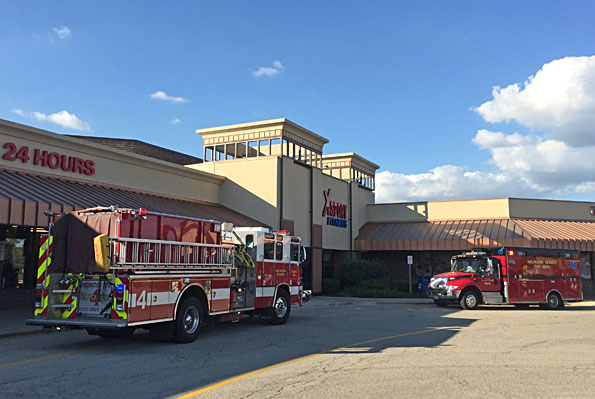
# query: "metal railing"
134 253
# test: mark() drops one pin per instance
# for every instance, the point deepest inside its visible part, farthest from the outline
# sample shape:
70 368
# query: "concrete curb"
348 301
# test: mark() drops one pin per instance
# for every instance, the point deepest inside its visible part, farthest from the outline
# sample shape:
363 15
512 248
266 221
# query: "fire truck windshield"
467 265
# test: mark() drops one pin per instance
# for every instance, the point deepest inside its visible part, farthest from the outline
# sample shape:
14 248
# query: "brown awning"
466 234
24 197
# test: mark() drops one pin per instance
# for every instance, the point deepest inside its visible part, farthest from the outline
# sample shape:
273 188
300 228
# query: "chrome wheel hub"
280 307
470 301
191 320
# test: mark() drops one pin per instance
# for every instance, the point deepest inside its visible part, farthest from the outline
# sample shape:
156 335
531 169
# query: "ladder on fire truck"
142 255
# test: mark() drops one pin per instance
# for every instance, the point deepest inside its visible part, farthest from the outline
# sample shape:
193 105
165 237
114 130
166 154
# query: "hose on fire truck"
243 257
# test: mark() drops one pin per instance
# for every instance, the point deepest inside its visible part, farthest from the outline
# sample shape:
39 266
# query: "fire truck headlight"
438 282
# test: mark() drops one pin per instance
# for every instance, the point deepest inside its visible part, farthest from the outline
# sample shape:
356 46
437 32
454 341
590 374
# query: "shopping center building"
271 173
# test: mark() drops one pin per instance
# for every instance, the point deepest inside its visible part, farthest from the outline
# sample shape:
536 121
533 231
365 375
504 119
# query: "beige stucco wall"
112 167
296 197
250 186
439 210
362 198
547 209
468 209
482 209
414 211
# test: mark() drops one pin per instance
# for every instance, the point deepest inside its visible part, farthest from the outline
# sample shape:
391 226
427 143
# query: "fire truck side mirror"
303 254
227 227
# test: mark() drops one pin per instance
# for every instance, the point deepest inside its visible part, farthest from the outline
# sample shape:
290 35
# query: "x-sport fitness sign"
336 213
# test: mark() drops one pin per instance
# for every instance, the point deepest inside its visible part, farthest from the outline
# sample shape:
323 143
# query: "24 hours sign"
47 159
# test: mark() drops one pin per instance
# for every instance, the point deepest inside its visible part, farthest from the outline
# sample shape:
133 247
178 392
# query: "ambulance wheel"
469 300
188 320
554 301
124 332
279 312
441 304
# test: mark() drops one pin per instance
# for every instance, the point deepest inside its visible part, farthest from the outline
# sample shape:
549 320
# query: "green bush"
331 286
354 271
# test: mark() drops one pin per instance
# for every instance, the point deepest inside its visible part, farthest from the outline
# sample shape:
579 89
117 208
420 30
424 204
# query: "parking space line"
57 355
248 374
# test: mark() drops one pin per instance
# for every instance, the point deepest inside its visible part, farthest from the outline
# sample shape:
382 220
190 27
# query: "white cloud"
161 95
269 71
559 100
62 118
62 32
175 121
442 183
541 163
555 159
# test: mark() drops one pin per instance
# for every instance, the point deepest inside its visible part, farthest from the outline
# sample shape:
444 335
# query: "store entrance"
19 246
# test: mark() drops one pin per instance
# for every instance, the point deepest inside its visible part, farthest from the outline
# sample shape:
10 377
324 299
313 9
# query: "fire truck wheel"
188 320
554 301
279 312
469 300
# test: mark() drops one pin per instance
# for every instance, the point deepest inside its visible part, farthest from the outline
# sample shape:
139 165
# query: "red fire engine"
111 270
519 276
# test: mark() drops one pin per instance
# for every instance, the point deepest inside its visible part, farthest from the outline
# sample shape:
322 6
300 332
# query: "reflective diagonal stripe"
120 313
43 276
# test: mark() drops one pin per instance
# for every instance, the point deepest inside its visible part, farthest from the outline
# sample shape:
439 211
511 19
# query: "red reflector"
511 253
38 293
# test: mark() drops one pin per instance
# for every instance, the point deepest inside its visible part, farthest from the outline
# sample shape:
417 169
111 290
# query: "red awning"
466 234
24 197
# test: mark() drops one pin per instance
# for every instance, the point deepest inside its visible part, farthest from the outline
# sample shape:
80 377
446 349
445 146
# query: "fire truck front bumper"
443 295
76 323
306 295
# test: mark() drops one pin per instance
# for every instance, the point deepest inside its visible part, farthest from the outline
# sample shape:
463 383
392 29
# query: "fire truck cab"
518 276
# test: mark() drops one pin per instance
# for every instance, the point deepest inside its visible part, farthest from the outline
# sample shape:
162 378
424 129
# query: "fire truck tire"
279 312
554 301
125 332
188 321
469 300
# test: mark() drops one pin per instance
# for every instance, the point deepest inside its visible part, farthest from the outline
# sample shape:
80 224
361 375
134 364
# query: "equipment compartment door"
160 306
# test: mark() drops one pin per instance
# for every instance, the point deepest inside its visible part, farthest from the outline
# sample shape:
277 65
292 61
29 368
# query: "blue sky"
400 83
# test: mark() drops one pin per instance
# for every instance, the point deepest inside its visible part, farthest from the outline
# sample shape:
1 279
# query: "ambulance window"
279 250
